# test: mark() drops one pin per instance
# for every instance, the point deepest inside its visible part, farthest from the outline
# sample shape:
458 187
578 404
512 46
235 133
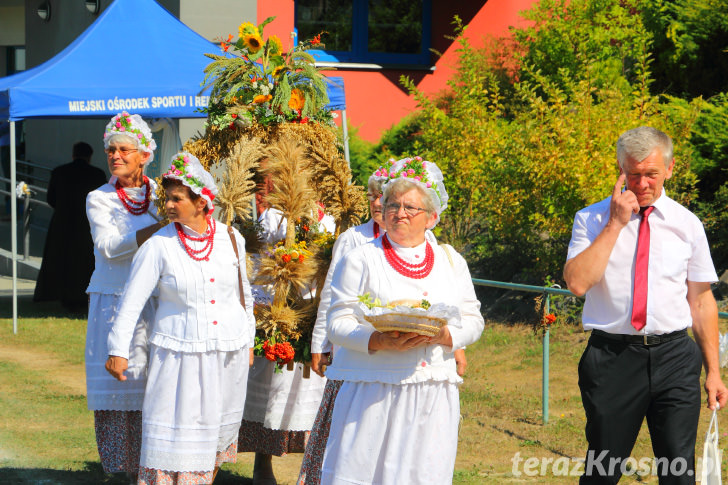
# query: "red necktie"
639 302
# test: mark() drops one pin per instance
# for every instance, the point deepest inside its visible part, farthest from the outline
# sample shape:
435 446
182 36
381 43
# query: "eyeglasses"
373 197
410 210
122 151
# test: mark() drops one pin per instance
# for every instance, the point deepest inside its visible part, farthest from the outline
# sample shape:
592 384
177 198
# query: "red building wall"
375 100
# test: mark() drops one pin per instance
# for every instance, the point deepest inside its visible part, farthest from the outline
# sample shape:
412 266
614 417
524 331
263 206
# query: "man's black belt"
640 339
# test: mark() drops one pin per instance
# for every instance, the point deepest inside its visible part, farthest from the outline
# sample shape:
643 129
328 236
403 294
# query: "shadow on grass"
27 308
93 474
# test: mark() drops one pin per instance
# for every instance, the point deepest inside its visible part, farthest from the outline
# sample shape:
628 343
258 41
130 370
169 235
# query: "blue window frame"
368 31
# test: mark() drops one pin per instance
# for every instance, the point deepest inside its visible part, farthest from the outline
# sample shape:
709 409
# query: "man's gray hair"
638 143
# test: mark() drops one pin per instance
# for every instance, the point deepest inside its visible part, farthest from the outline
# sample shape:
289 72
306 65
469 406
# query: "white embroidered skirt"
192 407
393 434
104 393
284 401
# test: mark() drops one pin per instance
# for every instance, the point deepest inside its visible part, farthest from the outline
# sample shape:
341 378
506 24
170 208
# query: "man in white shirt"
644 263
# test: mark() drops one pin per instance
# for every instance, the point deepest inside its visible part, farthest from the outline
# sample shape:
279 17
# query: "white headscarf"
427 174
133 127
187 169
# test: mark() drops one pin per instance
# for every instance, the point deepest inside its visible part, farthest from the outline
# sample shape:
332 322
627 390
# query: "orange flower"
297 100
224 46
317 39
262 98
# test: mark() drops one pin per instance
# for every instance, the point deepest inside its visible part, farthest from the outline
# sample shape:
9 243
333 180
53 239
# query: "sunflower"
275 46
297 100
252 42
278 70
246 28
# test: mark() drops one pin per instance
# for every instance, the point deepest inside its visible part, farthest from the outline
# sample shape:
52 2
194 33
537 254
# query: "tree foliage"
690 45
525 137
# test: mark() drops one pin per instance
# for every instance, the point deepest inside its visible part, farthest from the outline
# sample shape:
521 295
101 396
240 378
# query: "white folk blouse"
113 230
365 269
350 239
199 306
273 225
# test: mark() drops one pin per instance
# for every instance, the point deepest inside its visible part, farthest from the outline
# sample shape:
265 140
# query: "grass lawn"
47 436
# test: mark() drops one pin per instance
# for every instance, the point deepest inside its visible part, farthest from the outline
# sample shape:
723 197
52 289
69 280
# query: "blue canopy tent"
166 56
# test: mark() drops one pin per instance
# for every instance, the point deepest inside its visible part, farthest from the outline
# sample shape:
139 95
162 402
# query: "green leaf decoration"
244 83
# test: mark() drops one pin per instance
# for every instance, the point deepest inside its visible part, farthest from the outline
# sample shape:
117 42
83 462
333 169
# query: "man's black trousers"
622 383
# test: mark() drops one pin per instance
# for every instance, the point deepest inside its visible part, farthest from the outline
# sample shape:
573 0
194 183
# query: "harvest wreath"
268 125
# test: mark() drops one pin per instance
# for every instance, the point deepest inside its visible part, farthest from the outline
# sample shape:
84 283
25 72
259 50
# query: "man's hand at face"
623 204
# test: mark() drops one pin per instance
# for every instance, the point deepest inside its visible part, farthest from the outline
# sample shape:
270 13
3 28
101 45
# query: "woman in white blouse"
395 418
201 337
122 215
321 348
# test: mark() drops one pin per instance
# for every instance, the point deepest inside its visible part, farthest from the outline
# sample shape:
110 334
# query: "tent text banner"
114 105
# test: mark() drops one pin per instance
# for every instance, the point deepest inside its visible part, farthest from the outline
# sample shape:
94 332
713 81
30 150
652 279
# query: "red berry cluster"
280 352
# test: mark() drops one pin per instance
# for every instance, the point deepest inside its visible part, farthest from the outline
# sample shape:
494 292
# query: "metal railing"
547 292
27 171
28 199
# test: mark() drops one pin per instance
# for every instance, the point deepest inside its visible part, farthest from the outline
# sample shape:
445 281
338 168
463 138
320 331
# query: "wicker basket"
406 322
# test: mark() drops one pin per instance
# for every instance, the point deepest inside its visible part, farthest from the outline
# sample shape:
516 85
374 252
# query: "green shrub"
525 142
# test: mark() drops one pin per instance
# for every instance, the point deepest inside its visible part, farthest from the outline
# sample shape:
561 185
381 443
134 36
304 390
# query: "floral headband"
135 128
381 174
425 173
187 169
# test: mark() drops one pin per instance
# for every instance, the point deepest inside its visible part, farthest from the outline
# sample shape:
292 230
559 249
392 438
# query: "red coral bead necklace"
415 271
198 254
134 207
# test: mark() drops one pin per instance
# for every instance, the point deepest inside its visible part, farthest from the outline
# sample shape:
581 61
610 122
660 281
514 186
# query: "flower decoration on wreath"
544 325
425 173
187 169
279 352
255 81
297 253
135 128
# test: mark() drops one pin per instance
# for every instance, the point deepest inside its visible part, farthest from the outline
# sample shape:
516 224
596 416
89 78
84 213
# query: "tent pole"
346 137
14 227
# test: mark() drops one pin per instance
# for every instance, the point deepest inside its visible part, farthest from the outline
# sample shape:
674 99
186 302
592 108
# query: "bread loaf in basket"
406 315
406 322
